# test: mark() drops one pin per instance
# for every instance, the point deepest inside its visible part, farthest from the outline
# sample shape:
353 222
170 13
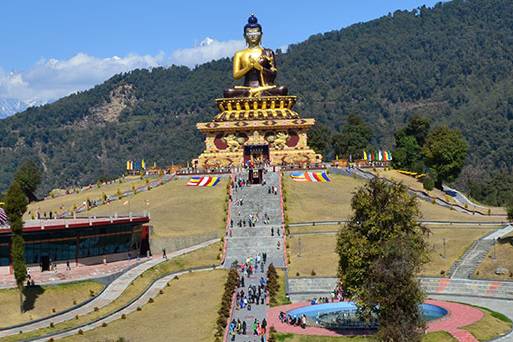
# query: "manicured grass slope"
176 209
186 311
317 252
40 300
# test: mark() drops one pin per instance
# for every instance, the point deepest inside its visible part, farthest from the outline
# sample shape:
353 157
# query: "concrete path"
248 242
112 292
499 233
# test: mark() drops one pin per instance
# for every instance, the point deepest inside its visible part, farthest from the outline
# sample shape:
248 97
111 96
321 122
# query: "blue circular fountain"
343 315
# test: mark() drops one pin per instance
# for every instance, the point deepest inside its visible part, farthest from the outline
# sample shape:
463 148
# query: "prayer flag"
315 177
203 181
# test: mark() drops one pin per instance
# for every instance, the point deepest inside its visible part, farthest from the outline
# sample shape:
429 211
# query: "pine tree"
381 250
15 206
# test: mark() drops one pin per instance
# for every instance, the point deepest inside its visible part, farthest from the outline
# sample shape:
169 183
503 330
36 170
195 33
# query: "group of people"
238 327
251 291
256 295
271 189
293 320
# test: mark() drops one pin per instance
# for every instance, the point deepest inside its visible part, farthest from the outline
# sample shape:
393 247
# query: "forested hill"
452 63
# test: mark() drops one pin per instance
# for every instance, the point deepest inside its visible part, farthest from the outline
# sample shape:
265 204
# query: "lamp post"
445 249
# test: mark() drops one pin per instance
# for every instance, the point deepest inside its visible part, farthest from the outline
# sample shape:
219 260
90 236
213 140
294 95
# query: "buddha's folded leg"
231 92
277 91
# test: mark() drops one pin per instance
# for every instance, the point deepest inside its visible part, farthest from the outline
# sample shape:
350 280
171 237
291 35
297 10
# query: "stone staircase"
465 267
248 241
301 289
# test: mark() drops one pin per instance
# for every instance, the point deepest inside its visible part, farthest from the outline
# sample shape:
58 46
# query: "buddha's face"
253 36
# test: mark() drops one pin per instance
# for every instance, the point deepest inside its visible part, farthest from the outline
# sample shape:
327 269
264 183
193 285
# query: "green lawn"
177 209
315 254
493 324
42 301
203 257
332 201
68 202
186 311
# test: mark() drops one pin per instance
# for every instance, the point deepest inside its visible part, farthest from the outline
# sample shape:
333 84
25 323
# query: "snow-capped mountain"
9 107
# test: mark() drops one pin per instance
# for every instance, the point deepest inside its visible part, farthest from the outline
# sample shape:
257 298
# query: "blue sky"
49 49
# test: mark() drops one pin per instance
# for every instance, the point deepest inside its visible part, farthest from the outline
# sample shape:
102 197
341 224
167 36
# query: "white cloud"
208 50
50 79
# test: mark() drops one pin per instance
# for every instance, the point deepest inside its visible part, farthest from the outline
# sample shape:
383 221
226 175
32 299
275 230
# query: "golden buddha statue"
256 64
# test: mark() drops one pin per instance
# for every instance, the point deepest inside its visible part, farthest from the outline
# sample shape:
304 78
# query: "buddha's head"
253 31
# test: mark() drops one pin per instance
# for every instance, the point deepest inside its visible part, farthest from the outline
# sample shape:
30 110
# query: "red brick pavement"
80 272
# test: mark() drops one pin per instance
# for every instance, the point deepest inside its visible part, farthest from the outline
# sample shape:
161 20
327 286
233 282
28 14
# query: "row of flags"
377 155
136 165
316 176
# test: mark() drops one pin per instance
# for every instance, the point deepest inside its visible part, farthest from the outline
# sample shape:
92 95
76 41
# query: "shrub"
428 183
230 286
76 316
151 300
123 316
313 273
52 325
139 308
104 324
80 332
96 308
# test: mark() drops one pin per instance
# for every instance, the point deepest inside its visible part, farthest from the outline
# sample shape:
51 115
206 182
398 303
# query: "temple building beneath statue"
260 130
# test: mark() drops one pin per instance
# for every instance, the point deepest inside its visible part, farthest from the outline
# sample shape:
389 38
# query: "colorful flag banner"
316 177
203 181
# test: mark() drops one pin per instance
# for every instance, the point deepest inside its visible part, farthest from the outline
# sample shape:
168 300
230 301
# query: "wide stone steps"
312 287
471 259
244 242
251 232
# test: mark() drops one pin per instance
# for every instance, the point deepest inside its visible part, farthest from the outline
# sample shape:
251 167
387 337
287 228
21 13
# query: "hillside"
452 63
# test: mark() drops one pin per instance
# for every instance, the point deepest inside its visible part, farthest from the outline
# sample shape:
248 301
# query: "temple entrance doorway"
256 155
45 263
255 176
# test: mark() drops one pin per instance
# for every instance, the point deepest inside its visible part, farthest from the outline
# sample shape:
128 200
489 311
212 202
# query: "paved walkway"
112 292
249 242
77 273
267 234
